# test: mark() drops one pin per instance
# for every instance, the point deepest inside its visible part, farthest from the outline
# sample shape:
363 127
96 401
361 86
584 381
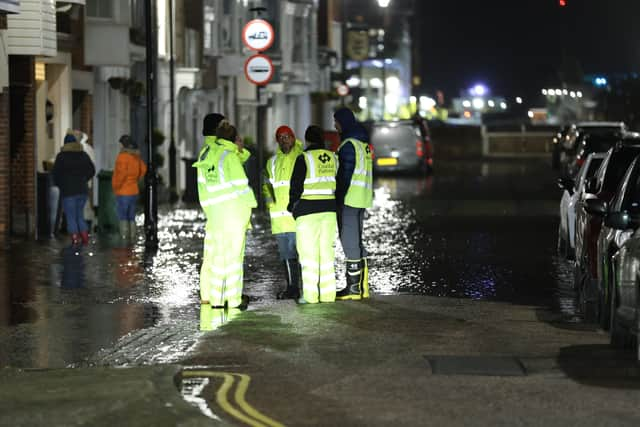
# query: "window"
138 14
100 9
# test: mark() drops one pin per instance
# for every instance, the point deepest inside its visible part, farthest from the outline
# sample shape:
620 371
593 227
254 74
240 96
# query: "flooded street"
470 304
484 231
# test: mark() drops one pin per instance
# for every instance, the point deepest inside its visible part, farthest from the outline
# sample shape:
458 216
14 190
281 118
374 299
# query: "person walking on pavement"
128 170
71 171
354 194
312 203
227 201
275 190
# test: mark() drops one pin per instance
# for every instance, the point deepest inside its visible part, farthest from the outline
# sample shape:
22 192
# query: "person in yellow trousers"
354 194
312 203
278 171
227 200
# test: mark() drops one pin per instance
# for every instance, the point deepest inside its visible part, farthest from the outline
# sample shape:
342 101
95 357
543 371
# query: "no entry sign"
258 35
258 69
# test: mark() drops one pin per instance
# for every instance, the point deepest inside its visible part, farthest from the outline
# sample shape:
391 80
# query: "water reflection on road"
473 230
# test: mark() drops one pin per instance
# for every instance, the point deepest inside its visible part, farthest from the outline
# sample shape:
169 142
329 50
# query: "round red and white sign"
259 69
258 35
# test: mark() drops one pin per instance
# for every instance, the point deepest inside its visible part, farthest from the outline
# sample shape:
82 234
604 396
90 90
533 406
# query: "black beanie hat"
210 123
314 134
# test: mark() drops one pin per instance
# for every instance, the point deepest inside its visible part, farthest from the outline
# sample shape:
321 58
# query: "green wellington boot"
364 286
124 230
354 278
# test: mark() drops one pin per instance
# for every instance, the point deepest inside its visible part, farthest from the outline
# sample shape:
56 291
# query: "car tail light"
579 161
419 148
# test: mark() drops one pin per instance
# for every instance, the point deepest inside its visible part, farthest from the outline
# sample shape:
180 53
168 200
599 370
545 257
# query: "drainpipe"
151 190
172 85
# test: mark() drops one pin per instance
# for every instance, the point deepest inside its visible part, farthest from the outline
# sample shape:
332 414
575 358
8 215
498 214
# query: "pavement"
348 363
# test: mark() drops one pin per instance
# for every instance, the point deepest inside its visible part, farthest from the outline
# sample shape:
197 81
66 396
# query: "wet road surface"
479 230
462 263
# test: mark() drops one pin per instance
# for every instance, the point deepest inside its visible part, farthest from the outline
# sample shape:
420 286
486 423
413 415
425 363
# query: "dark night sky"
515 46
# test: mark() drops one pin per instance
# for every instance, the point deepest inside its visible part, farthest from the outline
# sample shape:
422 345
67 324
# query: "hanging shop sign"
258 69
258 35
357 45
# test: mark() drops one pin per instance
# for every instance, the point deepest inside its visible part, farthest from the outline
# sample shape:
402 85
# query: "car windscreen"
618 164
632 198
601 130
397 136
600 143
593 167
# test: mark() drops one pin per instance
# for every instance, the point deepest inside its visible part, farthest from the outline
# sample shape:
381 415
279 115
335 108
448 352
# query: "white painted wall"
33 30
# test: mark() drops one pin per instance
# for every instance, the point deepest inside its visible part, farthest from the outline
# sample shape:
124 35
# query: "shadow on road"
600 365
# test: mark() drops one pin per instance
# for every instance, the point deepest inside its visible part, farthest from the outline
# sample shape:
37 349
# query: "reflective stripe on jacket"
360 192
320 181
224 183
278 172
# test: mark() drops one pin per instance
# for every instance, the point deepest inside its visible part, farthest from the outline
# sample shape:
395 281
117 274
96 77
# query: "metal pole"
261 111
151 191
172 85
261 137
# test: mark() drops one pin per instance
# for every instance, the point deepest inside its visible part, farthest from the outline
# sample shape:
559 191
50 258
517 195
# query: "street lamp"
383 3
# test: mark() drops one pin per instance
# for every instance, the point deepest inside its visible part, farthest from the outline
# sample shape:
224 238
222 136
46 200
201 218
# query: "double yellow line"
250 416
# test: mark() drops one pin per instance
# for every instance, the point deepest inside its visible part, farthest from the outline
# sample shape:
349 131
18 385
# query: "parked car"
567 145
591 143
625 295
602 186
626 199
573 192
402 146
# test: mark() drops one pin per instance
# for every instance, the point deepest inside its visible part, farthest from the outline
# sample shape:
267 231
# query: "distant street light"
383 3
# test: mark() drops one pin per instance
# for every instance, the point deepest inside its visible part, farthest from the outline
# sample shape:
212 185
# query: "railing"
522 143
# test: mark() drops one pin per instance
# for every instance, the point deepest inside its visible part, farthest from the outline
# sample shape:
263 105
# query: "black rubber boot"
292 270
353 290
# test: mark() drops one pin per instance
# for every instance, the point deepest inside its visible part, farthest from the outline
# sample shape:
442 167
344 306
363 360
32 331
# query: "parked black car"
589 217
565 147
611 239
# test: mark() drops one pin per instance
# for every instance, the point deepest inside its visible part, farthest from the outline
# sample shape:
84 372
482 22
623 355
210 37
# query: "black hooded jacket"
351 128
72 170
297 206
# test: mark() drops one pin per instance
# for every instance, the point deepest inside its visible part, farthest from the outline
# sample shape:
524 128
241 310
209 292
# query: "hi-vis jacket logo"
324 158
368 149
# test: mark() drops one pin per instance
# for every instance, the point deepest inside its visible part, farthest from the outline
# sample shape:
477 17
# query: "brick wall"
4 157
4 167
22 145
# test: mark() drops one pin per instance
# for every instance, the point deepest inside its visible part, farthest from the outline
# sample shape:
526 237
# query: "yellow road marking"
260 420
241 389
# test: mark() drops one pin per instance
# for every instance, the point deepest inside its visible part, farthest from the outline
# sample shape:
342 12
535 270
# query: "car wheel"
619 336
570 253
604 303
603 313
563 242
587 307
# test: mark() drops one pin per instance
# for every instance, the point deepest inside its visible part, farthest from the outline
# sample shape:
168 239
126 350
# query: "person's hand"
239 143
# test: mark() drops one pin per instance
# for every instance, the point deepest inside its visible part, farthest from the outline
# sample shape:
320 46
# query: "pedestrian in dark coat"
71 172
